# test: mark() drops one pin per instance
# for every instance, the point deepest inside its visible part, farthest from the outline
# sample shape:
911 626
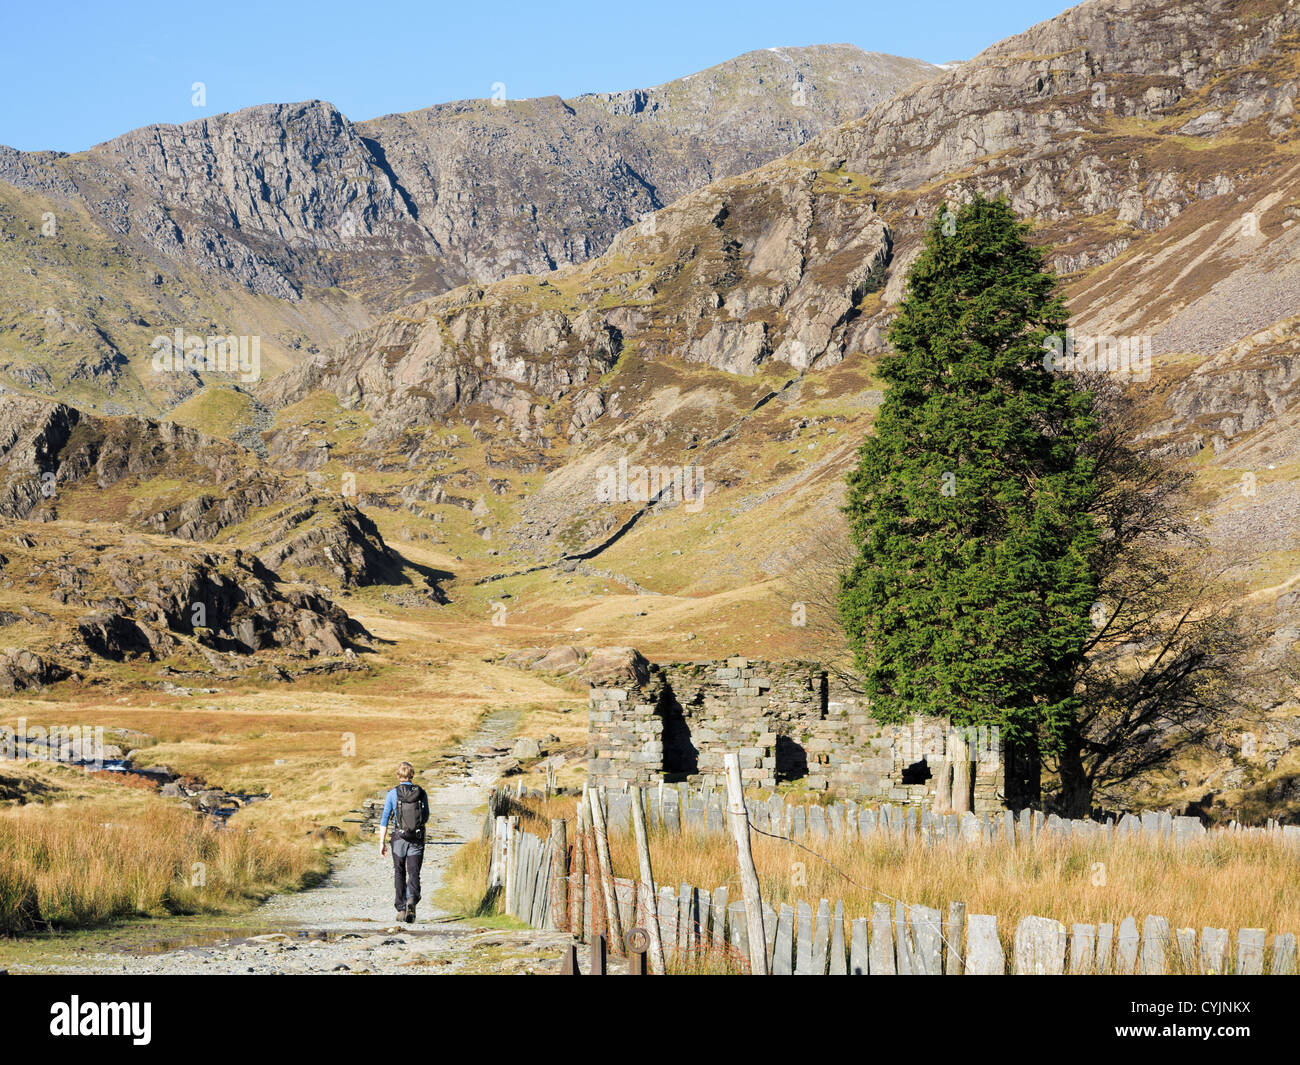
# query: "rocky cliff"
286 197
295 224
109 596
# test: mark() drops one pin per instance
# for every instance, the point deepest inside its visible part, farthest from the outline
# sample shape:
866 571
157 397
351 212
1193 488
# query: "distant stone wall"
783 718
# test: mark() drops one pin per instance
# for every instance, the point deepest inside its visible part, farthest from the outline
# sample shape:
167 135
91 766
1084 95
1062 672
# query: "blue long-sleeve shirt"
390 807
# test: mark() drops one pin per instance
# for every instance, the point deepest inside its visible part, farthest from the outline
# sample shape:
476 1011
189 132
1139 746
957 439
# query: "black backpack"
408 822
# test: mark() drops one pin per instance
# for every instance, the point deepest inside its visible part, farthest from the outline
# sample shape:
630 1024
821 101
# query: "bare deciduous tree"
814 583
1166 665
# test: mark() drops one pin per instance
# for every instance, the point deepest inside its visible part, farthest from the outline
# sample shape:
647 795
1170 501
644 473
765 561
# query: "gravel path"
347 924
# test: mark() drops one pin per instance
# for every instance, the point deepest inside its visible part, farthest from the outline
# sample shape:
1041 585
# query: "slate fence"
522 871
706 930
675 808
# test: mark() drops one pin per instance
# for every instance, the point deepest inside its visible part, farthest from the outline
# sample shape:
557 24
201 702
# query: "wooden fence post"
512 862
956 938
497 866
606 871
739 817
657 962
558 915
577 894
943 783
595 896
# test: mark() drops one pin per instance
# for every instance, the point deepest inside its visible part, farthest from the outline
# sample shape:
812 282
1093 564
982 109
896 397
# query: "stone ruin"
790 724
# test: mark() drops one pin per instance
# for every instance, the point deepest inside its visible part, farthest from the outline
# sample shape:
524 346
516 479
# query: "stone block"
1154 960
882 941
1214 951
984 954
1186 939
1284 954
738 926
1250 951
1126 952
902 942
1040 947
838 964
817 825
783 953
819 946
927 941
1105 947
859 948
666 906
1083 949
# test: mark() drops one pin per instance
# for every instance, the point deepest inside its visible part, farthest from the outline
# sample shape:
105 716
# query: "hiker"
408 807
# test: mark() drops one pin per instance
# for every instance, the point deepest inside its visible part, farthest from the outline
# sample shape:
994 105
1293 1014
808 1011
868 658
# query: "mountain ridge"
292 221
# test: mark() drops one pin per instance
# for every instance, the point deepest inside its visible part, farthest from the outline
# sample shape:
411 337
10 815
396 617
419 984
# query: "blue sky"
79 73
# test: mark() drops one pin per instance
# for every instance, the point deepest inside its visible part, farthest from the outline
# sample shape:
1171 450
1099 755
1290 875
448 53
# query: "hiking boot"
410 913
401 915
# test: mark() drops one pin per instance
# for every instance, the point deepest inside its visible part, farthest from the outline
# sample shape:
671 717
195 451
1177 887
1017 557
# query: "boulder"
564 657
526 749
614 666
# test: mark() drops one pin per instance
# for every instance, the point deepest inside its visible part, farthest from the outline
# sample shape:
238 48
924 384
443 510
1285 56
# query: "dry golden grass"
84 863
321 745
464 888
1220 881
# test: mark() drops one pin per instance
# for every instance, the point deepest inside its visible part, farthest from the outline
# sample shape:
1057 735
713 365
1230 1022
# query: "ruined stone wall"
784 720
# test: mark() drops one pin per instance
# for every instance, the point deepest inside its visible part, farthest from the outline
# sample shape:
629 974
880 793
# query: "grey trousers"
407 859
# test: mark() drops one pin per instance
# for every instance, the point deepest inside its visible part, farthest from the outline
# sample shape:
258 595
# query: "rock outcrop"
737 276
50 451
22 670
119 598
599 666
225 604
1080 122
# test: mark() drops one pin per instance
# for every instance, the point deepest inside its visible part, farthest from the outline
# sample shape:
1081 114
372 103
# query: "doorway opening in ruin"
916 773
681 756
791 759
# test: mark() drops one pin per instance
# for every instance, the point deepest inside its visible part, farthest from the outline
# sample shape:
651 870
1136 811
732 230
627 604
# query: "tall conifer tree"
970 505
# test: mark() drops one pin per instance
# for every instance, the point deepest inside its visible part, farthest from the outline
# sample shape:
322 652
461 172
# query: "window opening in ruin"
917 773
